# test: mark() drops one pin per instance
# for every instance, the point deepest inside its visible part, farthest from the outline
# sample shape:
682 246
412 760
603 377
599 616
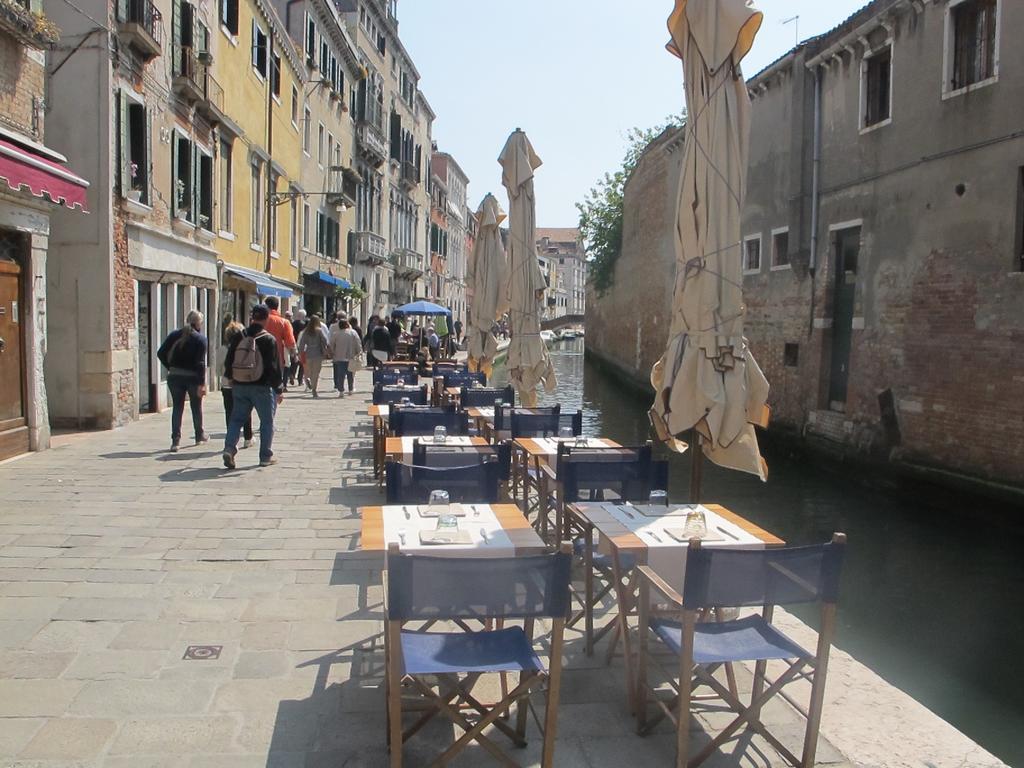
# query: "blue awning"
327 277
265 284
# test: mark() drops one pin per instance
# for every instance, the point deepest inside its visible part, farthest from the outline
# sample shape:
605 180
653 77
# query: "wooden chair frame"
454 697
691 676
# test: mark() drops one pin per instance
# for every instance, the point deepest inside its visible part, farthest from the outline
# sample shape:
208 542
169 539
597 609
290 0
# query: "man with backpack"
253 364
183 353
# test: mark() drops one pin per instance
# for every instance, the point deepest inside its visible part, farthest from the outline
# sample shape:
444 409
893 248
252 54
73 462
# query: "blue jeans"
180 386
247 397
341 372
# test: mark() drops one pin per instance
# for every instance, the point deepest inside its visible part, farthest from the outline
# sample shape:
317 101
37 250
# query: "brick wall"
21 86
628 326
123 383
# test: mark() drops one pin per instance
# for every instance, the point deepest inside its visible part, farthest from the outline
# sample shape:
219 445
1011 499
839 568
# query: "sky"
576 75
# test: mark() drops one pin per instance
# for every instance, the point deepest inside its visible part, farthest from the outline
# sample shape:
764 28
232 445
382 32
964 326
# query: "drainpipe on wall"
815 189
271 207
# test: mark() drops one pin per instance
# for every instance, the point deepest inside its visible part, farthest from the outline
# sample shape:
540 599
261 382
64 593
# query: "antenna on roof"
796 31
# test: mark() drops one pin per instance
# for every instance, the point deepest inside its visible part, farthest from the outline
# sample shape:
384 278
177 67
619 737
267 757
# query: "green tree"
601 211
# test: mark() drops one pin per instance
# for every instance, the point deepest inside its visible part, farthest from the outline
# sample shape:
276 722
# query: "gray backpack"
247 366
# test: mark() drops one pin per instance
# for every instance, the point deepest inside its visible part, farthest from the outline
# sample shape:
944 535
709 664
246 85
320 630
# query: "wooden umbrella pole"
696 466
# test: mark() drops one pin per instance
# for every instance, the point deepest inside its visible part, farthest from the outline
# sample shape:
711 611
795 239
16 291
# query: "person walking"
281 330
183 354
313 347
296 372
380 342
232 332
253 365
433 343
458 332
346 352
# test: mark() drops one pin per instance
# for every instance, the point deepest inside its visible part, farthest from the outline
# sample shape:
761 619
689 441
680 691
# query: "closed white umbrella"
528 363
707 380
488 277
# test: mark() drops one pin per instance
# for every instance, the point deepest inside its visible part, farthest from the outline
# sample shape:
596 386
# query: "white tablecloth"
478 517
665 555
550 444
407 443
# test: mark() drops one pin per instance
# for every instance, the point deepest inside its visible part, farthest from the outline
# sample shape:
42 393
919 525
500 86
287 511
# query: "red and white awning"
25 169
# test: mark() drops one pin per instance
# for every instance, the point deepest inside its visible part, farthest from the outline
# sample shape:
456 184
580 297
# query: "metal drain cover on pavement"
202 652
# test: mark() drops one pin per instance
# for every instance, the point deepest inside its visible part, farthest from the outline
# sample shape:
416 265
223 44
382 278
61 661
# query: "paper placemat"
672 510
435 538
456 440
453 509
551 443
487 537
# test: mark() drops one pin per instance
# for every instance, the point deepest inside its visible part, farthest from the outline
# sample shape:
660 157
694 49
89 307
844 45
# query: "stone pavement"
116 556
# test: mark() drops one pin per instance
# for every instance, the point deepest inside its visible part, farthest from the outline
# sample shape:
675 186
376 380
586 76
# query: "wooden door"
13 427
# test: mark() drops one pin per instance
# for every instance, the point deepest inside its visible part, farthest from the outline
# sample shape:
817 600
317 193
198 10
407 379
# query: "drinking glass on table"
565 433
400 382
658 498
440 434
581 441
696 525
440 505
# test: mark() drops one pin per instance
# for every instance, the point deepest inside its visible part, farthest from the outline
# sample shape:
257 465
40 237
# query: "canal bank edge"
873 470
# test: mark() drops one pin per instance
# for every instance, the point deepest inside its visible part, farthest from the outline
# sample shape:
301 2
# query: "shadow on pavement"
201 473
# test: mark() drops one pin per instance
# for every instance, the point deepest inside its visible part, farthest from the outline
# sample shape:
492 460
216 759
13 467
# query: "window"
293 231
973 39
295 106
204 190
780 249
259 50
330 148
134 149
307 129
320 233
275 78
229 16
877 87
305 226
321 138
272 179
183 179
256 209
225 185
310 41
752 254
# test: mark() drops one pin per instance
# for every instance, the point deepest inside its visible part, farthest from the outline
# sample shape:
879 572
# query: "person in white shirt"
346 350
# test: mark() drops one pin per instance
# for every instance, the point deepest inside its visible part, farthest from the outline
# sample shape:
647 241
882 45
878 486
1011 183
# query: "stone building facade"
882 239
563 249
452 282
34 185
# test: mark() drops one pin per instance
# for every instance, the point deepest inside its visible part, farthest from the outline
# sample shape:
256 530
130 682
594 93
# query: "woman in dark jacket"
183 353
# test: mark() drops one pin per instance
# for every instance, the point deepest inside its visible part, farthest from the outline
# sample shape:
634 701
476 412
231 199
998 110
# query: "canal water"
932 582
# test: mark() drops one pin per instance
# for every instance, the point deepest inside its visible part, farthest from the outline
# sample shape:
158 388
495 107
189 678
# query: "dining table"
400 448
656 536
484 530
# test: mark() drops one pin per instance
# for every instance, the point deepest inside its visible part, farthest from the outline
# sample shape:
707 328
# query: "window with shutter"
229 16
275 76
396 136
225 186
122 143
205 168
310 41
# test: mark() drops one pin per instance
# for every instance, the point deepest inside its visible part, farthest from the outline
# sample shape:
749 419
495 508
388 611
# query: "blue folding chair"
471 484
486 397
527 424
503 415
417 422
387 394
423 588
595 475
571 421
717 578
392 375
434 455
463 378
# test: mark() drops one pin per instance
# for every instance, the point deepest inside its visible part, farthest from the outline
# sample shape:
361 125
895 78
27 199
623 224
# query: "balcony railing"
342 186
370 138
407 263
140 24
212 103
189 74
409 176
369 247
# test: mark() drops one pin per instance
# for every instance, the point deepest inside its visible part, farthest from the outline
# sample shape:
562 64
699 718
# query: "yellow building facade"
258 156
